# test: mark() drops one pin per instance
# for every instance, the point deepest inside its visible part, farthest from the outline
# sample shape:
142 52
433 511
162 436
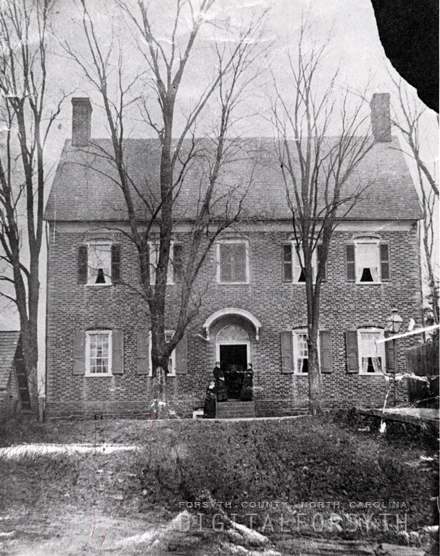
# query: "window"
295 352
301 351
367 261
98 352
292 271
175 264
172 359
371 354
99 264
233 262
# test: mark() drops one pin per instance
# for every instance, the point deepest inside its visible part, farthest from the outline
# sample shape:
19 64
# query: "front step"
235 410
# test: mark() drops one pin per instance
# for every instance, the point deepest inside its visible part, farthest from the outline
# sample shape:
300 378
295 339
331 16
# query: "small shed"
14 392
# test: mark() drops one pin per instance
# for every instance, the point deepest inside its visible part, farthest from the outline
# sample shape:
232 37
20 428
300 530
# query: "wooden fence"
424 361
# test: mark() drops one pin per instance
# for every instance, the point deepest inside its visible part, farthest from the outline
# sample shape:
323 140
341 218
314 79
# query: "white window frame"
172 371
109 334
379 349
245 242
154 248
357 259
108 277
295 342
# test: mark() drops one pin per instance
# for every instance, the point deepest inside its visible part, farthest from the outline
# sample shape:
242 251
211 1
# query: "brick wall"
277 305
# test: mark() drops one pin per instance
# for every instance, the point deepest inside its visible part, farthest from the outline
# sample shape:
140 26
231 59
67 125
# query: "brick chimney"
81 121
380 117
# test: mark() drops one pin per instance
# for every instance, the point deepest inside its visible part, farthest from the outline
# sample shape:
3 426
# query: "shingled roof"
85 187
8 348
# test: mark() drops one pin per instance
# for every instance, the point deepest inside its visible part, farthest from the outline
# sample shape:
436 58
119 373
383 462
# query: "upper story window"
233 262
367 261
99 352
292 271
175 263
99 263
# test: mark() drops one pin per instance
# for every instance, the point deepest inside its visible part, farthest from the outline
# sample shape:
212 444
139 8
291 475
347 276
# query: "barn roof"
85 186
8 348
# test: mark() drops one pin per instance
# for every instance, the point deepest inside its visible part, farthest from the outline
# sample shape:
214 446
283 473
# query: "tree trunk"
159 407
315 404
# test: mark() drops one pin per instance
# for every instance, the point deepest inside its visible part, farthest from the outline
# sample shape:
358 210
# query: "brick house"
253 309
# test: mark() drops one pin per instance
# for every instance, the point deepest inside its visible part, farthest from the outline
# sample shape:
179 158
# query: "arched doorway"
233 352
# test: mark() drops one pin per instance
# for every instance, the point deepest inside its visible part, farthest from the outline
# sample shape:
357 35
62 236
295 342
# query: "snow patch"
22 450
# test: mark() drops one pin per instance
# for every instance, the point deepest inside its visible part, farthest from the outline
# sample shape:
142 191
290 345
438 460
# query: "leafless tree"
316 171
26 122
167 58
407 120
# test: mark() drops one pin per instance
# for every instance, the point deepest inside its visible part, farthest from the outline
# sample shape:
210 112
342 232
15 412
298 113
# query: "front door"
233 362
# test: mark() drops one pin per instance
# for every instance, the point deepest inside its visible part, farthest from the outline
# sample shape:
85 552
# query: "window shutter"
182 356
351 346
384 262
117 352
390 356
82 264
79 352
351 264
143 352
319 252
286 352
325 339
116 264
298 272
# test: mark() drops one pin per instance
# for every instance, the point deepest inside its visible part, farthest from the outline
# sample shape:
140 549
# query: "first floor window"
233 262
98 353
371 353
172 359
301 363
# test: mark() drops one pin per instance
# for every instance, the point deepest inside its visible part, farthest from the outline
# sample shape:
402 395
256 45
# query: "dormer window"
367 261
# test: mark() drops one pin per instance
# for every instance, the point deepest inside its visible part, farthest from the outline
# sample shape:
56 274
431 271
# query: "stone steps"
235 410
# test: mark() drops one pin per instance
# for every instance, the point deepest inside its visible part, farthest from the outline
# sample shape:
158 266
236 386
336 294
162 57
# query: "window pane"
99 270
287 263
239 262
232 262
99 353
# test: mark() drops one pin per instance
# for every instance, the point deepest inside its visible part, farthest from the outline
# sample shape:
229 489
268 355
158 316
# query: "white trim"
232 311
221 242
380 349
411 333
110 352
171 372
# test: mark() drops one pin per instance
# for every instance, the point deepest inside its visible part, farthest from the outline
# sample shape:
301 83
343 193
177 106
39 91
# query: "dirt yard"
204 488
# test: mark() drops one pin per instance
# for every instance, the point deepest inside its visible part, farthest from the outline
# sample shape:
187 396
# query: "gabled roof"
85 186
8 348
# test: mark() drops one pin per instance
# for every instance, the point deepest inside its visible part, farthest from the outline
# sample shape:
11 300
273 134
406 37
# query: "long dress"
220 386
246 389
210 401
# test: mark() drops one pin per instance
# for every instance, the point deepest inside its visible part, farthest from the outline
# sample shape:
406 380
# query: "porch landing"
235 409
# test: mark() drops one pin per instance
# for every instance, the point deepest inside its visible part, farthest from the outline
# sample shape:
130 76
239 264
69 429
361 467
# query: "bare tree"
316 171
26 123
167 58
411 111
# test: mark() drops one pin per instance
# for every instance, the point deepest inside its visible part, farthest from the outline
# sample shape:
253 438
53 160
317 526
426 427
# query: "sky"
355 49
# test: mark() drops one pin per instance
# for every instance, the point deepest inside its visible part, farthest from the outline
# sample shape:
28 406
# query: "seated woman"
246 389
220 386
